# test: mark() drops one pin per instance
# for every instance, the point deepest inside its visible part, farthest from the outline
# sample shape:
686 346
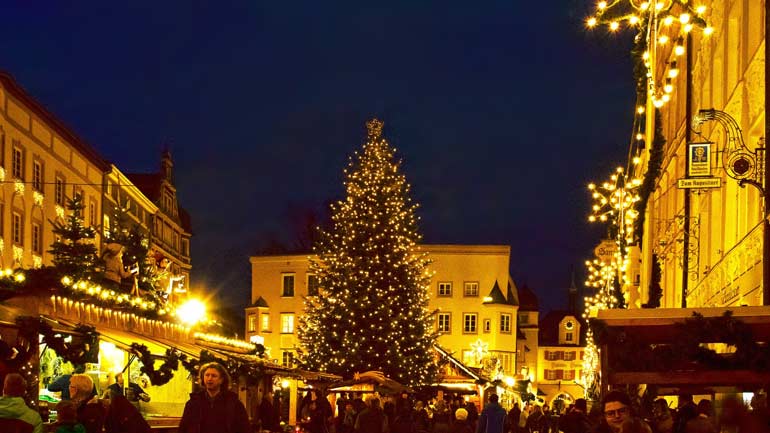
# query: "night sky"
502 112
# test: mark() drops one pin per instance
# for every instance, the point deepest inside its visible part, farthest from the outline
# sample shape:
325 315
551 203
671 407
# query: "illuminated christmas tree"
74 252
371 311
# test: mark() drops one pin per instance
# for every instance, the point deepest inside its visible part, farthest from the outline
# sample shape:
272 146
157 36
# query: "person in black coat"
124 417
268 415
215 409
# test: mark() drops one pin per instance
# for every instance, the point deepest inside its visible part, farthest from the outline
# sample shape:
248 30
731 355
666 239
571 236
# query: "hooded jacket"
15 408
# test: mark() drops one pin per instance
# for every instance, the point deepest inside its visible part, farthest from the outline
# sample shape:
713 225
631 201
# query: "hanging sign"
699 182
699 159
606 250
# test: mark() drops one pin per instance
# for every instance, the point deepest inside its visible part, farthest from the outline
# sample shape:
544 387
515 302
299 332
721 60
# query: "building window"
569 375
471 288
288 285
554 356
487 326
445 289
470 321
252 323
445 323
568 337
553 374
17 163
523 318
92 212
570 356
18 234
265 322
37 239
287 323
287 359
505 323
312 285
58 195
37 176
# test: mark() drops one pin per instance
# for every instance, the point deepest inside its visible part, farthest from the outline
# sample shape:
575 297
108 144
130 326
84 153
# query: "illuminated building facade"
42 164
706 243
474 298
170 226
560 358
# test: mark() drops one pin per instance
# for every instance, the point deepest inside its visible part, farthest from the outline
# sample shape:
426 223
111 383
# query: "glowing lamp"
684 18
591 22
708 31
192 311
614 25
700 9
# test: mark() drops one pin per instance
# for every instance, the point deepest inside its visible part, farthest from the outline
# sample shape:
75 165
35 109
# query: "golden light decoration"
192 311
659 23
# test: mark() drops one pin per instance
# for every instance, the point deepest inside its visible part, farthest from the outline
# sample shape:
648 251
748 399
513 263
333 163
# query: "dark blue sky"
501 110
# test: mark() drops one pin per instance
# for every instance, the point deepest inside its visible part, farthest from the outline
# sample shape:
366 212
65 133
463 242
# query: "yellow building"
471 291
719 262
42 164
560 358
170 224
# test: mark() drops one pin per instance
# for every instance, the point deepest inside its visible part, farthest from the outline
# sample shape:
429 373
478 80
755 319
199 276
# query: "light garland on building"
614 203
664 24
218 339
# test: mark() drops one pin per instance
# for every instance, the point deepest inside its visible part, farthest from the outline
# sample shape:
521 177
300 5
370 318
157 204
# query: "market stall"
685 350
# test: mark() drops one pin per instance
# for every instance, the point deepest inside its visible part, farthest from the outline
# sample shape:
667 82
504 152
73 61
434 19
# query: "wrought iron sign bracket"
739 162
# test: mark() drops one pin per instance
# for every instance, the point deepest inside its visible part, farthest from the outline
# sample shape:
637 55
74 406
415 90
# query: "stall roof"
658 325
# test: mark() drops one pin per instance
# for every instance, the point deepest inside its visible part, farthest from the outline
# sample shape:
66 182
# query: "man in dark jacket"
123 417
492 419
216 409
576 421
268 415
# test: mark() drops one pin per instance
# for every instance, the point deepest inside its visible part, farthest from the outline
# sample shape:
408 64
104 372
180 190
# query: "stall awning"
651 331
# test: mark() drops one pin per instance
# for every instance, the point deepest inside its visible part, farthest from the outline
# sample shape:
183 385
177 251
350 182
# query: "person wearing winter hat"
461 422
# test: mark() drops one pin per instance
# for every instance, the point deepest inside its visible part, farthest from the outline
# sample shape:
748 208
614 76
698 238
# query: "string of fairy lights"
664 25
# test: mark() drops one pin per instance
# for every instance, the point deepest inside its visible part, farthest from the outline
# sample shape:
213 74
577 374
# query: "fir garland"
165 373
686 352
653 171
81 349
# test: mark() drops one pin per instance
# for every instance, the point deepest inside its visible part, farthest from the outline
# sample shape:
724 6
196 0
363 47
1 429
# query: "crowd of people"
214 408
387 414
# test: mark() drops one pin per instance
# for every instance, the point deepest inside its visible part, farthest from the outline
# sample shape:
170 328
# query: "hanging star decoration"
480 348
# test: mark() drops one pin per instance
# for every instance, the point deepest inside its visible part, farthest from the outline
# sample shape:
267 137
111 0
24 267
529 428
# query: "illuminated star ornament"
480 348
664 25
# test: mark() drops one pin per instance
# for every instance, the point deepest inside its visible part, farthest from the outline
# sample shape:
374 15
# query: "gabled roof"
456 362
150 185
495 296
527 299
511 295
260 302
549 328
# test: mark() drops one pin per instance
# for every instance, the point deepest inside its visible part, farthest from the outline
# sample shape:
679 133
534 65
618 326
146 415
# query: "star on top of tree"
374 128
